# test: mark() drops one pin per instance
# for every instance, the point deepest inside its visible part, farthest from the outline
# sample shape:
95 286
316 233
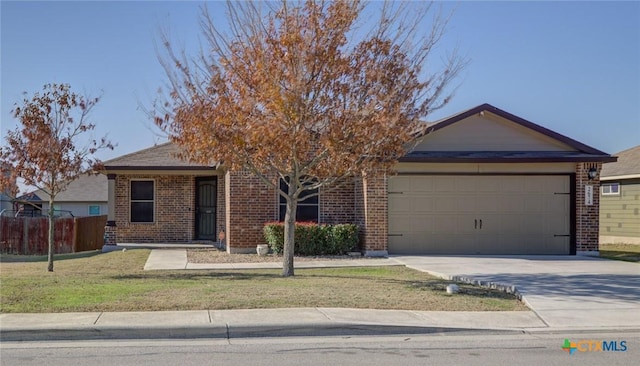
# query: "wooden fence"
29 235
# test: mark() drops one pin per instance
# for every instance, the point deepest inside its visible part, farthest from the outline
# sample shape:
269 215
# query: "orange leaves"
44 150
299 89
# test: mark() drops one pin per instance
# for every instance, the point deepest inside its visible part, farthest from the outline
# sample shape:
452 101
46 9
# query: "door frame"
196 206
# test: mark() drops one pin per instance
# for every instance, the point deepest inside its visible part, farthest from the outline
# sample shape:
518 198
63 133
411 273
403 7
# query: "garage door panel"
442 215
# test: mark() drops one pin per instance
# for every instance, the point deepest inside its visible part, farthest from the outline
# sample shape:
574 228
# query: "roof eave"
595 159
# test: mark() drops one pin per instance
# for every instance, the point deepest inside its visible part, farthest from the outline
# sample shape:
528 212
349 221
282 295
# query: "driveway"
565 291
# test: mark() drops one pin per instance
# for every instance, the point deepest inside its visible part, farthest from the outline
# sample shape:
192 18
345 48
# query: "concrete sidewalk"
258 323
175 259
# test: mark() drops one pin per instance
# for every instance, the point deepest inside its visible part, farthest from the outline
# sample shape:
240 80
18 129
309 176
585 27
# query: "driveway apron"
565 291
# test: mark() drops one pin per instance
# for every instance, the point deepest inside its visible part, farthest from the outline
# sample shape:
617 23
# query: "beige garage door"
479 215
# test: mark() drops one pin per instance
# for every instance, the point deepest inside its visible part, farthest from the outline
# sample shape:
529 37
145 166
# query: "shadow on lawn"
432 285
12 258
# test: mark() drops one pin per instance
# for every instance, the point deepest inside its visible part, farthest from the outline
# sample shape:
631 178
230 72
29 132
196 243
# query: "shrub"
314 239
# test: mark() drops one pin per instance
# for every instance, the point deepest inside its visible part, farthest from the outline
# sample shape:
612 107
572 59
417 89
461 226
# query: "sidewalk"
229 324
173 259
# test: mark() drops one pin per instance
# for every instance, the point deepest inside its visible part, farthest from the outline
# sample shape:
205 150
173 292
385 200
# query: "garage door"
479 215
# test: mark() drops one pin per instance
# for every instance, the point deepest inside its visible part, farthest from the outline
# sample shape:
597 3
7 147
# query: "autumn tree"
310 93
50 148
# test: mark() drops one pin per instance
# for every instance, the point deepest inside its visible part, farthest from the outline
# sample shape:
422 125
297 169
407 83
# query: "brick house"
480 182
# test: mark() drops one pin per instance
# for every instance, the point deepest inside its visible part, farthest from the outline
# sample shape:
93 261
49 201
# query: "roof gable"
628 164
486 132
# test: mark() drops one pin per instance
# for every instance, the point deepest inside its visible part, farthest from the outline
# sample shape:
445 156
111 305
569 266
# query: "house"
620 202
480 182
85 196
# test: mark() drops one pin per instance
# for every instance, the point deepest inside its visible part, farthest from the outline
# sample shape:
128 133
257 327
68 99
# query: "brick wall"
337 205
374 208
174 216
587 217
251 204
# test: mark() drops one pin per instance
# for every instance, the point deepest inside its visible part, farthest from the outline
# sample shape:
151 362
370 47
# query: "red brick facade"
587 216
174 204
362 201
252 204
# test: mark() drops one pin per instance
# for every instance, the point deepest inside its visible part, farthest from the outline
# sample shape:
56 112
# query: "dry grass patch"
623 252
116 282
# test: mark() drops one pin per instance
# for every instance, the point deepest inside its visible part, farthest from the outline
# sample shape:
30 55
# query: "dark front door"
206 208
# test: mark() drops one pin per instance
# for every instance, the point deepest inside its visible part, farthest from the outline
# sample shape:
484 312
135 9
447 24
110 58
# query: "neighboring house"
480 182
6 199
6 203
85 196
620 202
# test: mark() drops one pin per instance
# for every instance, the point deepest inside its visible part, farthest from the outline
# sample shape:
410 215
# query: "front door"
206 208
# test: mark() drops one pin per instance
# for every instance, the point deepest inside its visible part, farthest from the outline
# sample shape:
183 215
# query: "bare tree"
310 92
46 151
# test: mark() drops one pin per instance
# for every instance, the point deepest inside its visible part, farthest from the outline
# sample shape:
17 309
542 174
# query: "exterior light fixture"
592 173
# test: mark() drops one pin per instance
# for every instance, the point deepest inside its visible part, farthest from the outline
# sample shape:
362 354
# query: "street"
437 349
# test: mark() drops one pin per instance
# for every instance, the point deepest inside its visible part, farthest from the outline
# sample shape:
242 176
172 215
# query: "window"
94 210
308 208
611 189
142 200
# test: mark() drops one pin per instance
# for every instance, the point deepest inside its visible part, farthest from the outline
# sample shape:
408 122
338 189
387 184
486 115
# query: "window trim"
152 201
609 185
283 206
89 210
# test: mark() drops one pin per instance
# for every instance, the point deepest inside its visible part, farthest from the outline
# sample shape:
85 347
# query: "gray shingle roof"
87 188
159 156
628 164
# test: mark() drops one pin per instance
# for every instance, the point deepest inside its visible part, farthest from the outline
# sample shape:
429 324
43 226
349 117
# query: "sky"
573 67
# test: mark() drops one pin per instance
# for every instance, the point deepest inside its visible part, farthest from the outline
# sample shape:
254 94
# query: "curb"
231 332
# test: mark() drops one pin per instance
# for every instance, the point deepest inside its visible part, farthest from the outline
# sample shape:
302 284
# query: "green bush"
314 239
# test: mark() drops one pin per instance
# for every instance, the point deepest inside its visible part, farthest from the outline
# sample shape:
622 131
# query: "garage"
479 214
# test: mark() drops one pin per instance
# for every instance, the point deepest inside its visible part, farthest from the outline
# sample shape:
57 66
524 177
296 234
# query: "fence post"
74 238
25 236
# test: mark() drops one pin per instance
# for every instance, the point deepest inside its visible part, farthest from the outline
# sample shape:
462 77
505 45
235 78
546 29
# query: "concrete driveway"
565 291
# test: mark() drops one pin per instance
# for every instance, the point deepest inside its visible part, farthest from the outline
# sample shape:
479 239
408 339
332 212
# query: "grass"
116 282
623 252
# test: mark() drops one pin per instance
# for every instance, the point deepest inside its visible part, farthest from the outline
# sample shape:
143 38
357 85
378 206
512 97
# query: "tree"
301 93
47 151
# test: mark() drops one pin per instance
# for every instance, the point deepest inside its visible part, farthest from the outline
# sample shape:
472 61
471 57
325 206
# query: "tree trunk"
51 235
289 237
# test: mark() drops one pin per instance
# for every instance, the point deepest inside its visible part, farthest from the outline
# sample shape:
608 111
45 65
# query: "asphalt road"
478 349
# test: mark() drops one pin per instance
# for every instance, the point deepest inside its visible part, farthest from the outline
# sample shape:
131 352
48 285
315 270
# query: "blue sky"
573 67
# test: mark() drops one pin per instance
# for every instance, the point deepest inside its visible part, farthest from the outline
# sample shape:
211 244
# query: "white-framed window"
94 210
142 201
610 189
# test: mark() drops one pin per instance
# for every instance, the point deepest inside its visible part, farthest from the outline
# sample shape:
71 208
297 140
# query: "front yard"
116 282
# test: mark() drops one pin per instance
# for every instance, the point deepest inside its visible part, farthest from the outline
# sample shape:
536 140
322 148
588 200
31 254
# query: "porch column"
374 191
588 209
110 229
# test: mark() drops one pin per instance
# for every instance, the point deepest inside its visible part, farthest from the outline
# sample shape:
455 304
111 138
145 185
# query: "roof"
584 153
87 188
500 157
163 156
627 166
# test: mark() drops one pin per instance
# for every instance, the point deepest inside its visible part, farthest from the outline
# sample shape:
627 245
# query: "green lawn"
116 282
623 252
